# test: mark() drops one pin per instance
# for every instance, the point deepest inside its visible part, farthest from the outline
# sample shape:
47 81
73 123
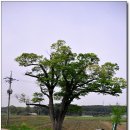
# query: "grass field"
70 123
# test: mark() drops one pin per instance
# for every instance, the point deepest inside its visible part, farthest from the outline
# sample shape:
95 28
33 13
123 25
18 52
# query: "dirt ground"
119 127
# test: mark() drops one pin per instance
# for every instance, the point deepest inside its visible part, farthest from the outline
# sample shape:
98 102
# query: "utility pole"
9 91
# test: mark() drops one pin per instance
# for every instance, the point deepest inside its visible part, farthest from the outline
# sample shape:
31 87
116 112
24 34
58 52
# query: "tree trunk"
59 118
60 115
114 126
58 125
57 121
51 111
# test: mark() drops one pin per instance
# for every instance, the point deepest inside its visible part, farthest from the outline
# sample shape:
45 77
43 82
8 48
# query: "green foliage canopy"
75 74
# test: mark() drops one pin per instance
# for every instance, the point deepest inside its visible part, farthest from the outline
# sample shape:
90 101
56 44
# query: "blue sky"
98 27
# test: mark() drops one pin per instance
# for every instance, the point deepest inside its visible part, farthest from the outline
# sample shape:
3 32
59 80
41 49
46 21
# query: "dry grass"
70 123
90 125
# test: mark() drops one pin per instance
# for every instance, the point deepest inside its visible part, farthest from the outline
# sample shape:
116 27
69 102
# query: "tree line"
73 110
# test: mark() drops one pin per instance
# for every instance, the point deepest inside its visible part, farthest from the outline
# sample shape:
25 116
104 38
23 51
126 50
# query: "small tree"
37 98
74 74
117 113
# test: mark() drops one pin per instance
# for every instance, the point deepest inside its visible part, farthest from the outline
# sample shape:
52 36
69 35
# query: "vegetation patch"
70 123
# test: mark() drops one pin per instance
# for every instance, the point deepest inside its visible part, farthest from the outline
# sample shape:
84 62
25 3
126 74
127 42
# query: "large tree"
66 76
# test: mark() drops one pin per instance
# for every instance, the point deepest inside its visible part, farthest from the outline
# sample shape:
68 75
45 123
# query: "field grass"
70 123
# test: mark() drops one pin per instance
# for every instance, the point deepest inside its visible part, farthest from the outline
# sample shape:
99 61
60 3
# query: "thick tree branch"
52 76
46 75
44 92
51 107
84 83
32 75
31 64
56 82
40 105
96 91
75 86
64 76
